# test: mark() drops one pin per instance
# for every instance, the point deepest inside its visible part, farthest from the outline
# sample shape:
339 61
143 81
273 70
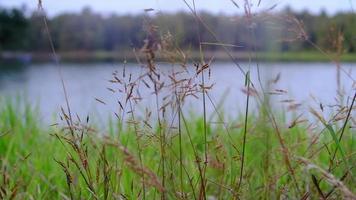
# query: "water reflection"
12 73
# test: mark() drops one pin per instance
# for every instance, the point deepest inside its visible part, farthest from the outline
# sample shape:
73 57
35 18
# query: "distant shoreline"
190 56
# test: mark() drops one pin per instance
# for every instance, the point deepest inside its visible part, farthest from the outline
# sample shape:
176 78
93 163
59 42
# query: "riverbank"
102 56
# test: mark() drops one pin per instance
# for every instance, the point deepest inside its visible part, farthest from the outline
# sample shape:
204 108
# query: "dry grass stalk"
151 180
330 178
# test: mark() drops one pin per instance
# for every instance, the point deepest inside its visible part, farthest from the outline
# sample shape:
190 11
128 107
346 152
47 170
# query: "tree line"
89 31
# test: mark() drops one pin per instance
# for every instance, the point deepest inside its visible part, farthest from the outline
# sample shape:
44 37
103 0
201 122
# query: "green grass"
31 158
258 155
305 56
302 56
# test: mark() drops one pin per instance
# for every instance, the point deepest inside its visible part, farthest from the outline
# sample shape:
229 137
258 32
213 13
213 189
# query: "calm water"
40 85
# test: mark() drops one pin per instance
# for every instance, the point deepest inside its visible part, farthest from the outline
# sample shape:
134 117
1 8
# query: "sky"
54 7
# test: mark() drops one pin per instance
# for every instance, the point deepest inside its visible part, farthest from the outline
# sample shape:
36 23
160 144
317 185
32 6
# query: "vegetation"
166 153
82 162
108 56
13 25
89 31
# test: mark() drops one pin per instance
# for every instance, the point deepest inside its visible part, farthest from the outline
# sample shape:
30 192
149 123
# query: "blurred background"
80 28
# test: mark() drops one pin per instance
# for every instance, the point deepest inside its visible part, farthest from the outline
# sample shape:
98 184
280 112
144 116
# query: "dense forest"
90 31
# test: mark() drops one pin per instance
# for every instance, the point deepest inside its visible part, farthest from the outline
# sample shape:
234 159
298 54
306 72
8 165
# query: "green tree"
13 26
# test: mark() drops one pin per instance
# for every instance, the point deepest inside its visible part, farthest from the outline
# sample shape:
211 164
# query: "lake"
308 84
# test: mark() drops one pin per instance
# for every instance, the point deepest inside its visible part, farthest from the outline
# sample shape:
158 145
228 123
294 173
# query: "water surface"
40 84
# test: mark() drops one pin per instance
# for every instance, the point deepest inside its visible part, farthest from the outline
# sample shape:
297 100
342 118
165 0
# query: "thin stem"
180 145
245 133
345 124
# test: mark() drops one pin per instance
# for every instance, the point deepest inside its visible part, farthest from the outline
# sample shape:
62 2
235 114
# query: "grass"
168 154
270 56
51 163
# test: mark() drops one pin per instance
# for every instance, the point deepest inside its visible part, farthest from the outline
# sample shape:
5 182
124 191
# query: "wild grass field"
171 154
194 160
